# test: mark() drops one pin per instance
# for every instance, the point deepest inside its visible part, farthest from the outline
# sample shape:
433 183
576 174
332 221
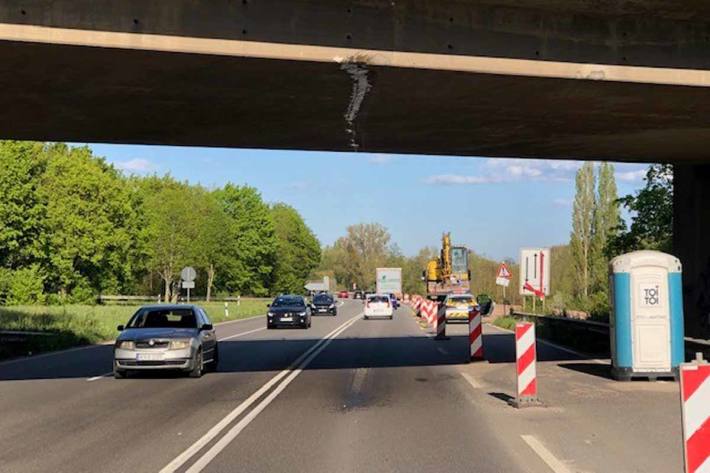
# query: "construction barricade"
475 335
525 363
440 321
426 310
695 408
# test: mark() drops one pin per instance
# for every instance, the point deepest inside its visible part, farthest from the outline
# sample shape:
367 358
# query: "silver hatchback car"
159 337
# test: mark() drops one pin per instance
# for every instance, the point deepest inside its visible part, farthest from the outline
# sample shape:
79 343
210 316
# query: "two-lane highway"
58 416
347 395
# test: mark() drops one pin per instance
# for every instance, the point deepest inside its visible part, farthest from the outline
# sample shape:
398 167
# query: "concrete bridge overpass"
605 79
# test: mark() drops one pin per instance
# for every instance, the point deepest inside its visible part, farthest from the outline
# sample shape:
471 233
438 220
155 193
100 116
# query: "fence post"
226 309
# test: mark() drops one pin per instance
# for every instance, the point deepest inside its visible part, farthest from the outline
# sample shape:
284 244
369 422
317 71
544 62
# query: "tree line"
73 227
599 233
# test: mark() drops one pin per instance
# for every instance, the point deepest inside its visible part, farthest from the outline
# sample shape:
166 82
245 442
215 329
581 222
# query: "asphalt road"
347 395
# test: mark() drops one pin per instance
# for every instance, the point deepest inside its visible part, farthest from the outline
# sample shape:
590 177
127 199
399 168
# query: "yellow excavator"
448 274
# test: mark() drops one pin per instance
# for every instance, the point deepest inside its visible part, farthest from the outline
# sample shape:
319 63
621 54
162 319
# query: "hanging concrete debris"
358 73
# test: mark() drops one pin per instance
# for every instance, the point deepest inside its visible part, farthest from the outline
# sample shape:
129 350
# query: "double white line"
289 374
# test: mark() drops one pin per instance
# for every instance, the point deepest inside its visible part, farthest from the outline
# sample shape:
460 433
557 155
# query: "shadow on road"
594 369
276 354
500 348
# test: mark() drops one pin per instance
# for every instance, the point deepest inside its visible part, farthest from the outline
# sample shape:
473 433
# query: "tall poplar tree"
606 223
583 228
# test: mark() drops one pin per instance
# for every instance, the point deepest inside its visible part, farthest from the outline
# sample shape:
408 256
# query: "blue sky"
494 206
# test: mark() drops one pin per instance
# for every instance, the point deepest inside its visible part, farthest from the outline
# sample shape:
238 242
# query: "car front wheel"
196 371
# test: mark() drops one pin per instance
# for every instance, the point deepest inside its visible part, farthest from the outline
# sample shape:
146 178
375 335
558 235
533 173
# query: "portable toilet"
646 322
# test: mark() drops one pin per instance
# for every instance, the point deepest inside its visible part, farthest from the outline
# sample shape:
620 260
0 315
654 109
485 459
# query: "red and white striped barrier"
428 311
440 321
475 334
525 361
695 408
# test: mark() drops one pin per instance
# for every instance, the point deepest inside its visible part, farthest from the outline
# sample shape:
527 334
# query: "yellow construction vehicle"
448 274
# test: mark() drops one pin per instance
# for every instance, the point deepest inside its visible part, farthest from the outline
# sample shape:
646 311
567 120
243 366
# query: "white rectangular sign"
188 284
535 272
503 282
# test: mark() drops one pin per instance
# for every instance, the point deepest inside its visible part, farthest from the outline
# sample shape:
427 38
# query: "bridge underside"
623 80
90 94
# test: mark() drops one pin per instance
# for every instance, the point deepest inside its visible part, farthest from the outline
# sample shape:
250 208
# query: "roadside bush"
507 322
559 302
82 293
24 286
5 278
599 307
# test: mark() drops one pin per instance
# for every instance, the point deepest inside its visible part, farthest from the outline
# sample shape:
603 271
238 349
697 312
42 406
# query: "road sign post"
188 285
503 278
188 275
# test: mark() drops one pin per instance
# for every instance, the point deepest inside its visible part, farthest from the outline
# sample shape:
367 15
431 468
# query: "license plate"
322 310
286 319
149 356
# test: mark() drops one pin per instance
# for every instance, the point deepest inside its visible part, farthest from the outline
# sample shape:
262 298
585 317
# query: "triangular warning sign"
504 272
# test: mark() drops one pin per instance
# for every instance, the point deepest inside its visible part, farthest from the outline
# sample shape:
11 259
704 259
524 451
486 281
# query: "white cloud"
500 170
135 165
631 176
456 179
496 171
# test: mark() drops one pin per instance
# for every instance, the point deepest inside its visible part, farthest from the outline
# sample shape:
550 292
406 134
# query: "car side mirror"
268 305
120 328
207 327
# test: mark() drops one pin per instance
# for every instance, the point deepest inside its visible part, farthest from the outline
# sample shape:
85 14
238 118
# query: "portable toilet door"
646 324
650 320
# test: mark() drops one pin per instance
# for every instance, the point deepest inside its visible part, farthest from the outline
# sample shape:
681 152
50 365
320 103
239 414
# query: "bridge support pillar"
691 243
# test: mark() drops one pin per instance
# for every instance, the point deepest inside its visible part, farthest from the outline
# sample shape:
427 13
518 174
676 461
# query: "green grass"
73 325
507 322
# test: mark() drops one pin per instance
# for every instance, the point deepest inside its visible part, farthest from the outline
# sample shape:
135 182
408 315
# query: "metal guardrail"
589 336
581 322
692 345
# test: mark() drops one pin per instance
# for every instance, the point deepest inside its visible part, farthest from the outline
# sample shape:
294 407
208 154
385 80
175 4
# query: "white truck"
389 280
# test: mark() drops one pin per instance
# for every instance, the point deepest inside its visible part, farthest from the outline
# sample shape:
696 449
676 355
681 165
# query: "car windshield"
287 301
378 299
322 299
164 318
